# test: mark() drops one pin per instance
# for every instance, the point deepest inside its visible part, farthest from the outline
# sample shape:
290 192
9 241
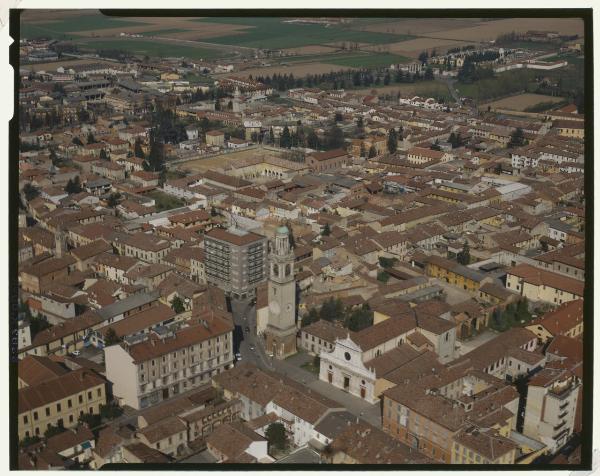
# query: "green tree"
387 262
103 155
363 152
110 411
372 152
359 319
517 138
37 325
77 141
111 337
496 321
338 117
73 186
276 436
332 310
113 200
29 440
90 138
335 137
360 124
464 256
383 276
53 430
312 140
291 234
285 140
30 191
56 161
312 316
522 314
392 142
91 420
137 149
326 230
177 305
155 161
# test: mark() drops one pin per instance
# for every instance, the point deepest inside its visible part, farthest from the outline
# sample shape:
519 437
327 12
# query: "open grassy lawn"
164 202
153 48
310 366
435 89
163 32
64 28
274 33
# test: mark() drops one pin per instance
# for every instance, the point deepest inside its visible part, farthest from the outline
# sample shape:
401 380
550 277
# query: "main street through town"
251 349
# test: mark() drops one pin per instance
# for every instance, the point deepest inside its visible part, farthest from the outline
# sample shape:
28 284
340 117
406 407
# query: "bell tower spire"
280 334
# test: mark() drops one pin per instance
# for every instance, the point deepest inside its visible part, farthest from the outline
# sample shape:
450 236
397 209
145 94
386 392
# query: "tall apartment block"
236 261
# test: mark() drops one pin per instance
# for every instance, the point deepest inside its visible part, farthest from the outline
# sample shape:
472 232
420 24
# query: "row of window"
59 422
47 410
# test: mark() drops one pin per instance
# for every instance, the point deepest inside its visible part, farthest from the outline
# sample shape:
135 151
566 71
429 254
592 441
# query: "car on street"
251 347
247 329
76 353
238 356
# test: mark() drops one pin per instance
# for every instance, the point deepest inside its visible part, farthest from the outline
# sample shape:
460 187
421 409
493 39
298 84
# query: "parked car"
238 356
247 329
252 347
76 353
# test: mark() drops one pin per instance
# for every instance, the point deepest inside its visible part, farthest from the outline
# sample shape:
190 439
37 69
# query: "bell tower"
280 334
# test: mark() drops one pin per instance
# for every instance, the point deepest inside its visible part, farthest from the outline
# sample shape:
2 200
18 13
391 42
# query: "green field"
163 32
153 48
272 33
64 28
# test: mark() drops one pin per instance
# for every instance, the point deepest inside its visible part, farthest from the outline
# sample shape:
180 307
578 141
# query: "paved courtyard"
477 341
291 368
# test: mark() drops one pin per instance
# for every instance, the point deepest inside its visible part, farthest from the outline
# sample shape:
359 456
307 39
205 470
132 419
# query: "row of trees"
334 310
514 314
470 72
345 79
333 138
